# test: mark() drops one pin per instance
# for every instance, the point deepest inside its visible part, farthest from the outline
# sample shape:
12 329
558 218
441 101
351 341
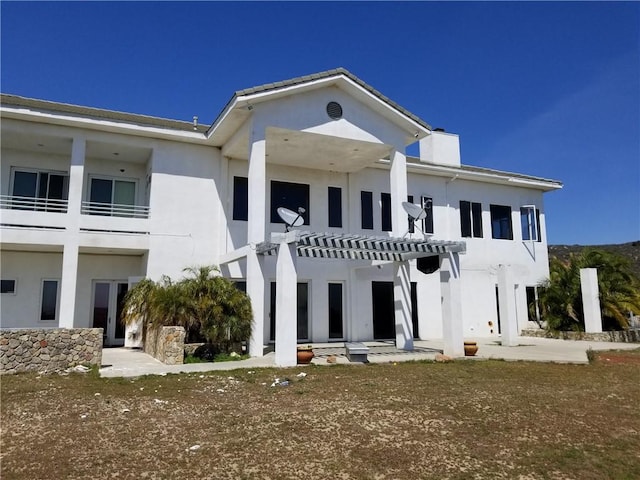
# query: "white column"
507 306
402 305
257 184
398 178
255 235
286 305
591 300
71 245
452 325
255 291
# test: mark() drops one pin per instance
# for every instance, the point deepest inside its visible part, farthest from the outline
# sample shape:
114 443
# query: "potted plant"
470 348
305 354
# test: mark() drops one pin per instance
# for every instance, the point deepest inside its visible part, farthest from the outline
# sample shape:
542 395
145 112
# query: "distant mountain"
630 250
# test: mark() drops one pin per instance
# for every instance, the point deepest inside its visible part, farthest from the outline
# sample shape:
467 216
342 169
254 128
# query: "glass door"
108 298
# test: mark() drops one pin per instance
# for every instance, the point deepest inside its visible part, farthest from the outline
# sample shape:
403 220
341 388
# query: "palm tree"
204 303
561 297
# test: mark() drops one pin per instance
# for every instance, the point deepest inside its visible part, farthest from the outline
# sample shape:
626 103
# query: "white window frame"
534 234
113 179
16 168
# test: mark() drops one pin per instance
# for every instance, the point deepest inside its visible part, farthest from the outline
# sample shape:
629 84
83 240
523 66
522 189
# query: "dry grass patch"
461 420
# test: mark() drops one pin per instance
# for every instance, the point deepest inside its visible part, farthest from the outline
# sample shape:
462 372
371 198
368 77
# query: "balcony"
14 202
32 212
114 210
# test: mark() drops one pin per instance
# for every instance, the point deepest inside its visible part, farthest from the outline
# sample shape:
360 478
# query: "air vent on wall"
334 110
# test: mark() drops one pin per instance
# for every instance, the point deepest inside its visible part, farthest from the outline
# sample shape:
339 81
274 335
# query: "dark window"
240 198
41 185
427 223
501 222
414 309
335 207
530 223
49 300
335 310
533 310
291 196
241 285
112 197
412 225
470 219
385 201
366 203
7 286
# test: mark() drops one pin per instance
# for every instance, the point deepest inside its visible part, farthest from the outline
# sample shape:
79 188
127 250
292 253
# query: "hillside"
629 250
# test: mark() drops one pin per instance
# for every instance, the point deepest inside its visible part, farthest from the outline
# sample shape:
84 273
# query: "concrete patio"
126 362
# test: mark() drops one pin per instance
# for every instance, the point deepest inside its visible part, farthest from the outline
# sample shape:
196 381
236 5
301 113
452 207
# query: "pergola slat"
363 247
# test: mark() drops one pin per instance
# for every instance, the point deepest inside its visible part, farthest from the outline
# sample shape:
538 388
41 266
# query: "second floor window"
39 185
385 203
501 222
119 195
291 196
470 219
240 198
530 223
427 222
366 210
335 207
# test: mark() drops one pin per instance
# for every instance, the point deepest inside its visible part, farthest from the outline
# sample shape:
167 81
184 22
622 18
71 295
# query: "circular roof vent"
334 110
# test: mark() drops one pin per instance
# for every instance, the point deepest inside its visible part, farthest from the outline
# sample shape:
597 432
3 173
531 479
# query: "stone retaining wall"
165 344
49 349
624 336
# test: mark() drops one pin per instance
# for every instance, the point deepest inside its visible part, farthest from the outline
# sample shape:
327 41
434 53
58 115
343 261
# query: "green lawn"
459 420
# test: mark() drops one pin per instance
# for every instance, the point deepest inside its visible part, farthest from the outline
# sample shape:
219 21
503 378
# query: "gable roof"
327 74
308 80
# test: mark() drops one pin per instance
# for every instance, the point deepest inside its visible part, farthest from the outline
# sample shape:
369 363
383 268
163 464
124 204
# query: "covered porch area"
358 249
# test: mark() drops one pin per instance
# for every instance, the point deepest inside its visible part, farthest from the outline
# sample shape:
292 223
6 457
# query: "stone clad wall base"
49 349
624 336
165 344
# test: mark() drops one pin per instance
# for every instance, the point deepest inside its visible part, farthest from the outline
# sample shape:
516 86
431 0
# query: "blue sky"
544 88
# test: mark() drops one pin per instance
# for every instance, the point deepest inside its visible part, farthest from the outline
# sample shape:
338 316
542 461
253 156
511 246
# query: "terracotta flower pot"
305 356
470 349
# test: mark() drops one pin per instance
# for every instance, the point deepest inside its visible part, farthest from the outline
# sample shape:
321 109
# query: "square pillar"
76 179
452 325
255 291
286 305
402 305
507 306
257 184
69 281
69 278
591 300
256 234
398 180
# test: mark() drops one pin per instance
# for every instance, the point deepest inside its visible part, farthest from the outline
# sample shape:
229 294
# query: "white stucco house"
94 200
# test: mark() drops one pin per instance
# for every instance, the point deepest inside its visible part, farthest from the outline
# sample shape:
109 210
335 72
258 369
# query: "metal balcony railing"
35 204
115 210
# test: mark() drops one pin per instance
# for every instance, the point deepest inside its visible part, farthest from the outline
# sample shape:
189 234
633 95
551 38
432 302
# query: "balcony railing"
115 210
31 203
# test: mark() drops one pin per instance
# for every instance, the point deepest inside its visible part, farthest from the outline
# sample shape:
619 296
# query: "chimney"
440 148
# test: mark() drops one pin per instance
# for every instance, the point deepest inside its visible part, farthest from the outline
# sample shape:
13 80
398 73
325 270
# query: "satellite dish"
414 211
291 218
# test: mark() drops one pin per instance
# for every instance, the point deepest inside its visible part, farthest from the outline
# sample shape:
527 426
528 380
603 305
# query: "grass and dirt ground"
458 420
